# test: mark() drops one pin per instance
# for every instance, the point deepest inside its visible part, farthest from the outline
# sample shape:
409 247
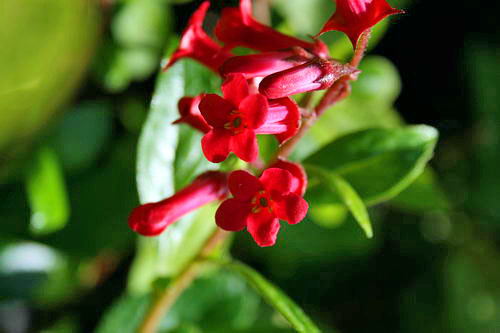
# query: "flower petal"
243 185
215 145
255 109
277 181
232 215
299 183
235 89
263 227
290 208
245 146
215 110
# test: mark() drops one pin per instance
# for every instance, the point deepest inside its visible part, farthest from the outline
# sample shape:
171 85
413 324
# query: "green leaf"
218 302
46 59
168 161
379 82
276 298
423 195
88 119
125 315
352 200
370 105
379 163
304 18
47 193
140 30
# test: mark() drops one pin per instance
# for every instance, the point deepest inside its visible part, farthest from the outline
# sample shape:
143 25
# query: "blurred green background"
75 87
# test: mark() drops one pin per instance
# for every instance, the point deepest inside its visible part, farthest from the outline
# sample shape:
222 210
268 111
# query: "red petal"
245 146
190 113
148 220
291 208
215 145
232 215
282 119
235 89
238 28
255 108
199 15
215 110
243 185
263 227
299 175
353 17
277 181
196 44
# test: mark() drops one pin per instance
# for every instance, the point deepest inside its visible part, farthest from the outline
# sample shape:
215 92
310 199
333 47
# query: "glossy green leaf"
47 193
276 298
166 161
379 163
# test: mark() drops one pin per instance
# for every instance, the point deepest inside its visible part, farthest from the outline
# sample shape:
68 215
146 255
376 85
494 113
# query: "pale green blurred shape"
47 193
46 46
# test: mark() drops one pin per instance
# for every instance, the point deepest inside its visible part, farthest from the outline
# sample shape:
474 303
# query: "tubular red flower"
196 44
299 182
190 113
263 64
314 75
151 219
259 204
239 116
237 27
353 17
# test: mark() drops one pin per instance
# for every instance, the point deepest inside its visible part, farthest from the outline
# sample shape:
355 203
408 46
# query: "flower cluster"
256 100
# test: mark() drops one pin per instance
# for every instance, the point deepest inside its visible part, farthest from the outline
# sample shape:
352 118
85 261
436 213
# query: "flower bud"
152 218
316 74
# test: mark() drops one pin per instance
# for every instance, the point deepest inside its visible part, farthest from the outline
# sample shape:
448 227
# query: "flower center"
236 122
261 201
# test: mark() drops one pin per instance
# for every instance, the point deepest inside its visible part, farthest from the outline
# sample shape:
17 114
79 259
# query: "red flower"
299 182
152 218
237 27
196 44
259 203
263 64
190 113
314 75
239 116
352 17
